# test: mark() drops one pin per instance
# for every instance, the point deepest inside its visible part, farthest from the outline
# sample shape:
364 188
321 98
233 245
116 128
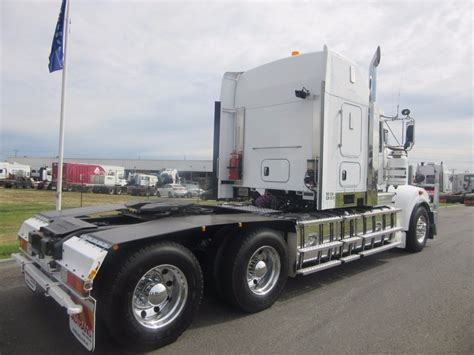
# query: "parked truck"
463 189
14 175
429 174
463 183
298 147
91 178
140 184
42 177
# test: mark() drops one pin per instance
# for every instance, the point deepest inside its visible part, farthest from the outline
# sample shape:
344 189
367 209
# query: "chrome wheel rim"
159 296
421 227
263 270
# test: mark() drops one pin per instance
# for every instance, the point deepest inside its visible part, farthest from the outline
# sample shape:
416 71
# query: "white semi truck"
428 175
15 175
463 183
140 184
297 152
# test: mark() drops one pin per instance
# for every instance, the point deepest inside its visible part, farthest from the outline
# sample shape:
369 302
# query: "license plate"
82 325
30 282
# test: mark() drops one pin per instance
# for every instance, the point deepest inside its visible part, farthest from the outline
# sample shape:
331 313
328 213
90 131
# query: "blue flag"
56 56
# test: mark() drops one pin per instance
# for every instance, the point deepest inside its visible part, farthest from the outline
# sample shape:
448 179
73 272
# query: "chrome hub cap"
421 227
260 269
159 296
263 270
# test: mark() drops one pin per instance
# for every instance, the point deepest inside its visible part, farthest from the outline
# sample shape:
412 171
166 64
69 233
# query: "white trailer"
297 147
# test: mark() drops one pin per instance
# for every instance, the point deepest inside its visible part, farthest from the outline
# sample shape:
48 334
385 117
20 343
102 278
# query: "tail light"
77 284
23 244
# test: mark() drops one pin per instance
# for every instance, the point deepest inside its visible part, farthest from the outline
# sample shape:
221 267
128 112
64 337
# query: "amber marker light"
92 274
23 244
295 53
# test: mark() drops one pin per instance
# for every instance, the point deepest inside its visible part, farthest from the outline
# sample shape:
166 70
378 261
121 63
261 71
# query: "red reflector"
76 283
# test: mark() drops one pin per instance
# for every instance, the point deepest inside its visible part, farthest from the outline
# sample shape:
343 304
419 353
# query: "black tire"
111 191
211 261
237 259
419 221
117 296
118 191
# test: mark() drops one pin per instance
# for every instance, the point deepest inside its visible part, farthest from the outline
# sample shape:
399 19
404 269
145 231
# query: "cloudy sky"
143 75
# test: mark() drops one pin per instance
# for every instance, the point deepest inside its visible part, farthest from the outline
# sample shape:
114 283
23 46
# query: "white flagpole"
59 187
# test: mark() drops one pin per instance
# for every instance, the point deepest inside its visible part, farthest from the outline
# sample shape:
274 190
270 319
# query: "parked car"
207 195
193 190
173 190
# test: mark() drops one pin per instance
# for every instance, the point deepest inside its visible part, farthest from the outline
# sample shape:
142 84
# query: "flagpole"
59 187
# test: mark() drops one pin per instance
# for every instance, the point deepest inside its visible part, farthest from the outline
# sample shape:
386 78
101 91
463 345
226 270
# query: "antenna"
399 90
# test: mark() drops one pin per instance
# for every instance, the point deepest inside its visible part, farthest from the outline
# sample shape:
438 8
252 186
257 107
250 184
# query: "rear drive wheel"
419 230
255 270
153 297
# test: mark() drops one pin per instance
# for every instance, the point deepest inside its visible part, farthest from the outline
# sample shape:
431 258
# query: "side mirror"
410 137
419 178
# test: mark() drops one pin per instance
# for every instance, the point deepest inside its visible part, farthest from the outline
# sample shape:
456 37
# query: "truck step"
320 247
379 233
350 258
316 268
379 249
351 240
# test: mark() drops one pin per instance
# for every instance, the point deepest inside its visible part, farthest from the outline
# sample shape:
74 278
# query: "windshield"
430 179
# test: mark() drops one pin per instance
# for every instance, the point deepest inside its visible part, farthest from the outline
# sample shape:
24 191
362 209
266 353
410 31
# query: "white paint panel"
275 170
349 174
280 132
81 257
351 131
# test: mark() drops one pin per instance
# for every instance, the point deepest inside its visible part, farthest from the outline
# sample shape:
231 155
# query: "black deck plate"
171 225
66 225
82 211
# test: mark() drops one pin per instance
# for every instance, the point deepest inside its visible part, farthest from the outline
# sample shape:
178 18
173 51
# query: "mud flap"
82 325
432 233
